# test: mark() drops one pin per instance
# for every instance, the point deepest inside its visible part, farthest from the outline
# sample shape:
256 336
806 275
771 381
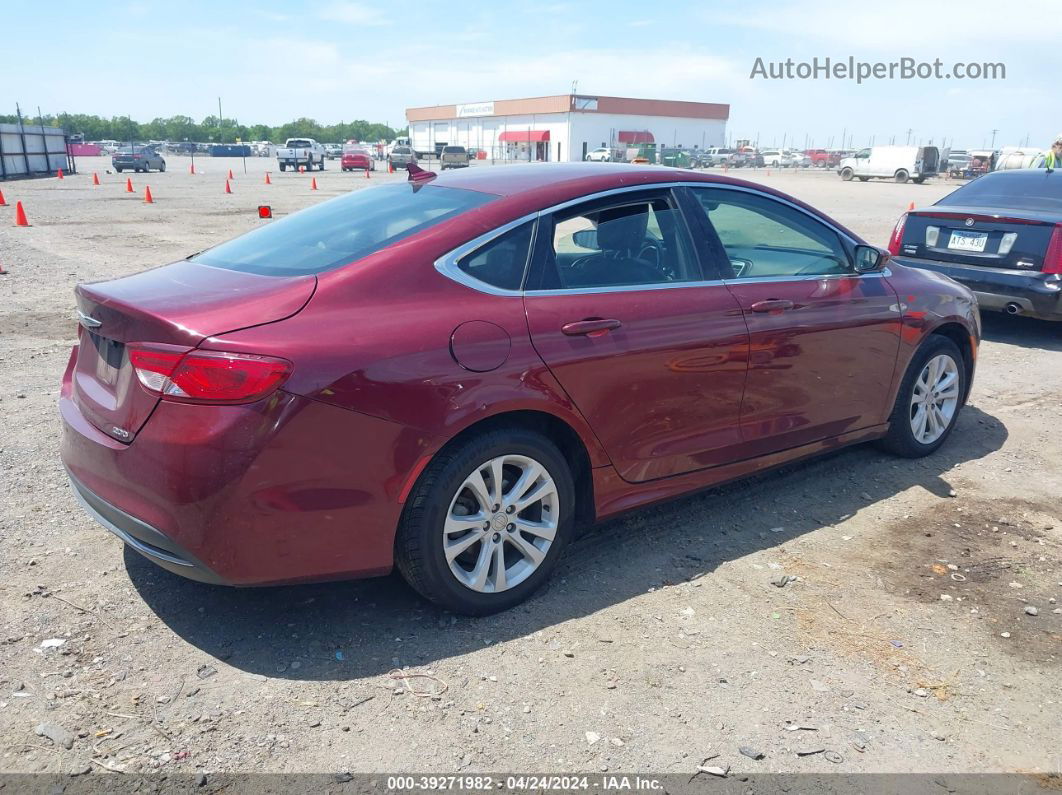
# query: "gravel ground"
921 633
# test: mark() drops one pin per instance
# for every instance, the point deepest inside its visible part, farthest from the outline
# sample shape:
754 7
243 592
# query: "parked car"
298 152
137 158
333 151
600 155
1000 235
719 156
819 158
453 157
402 156
357 158
470 404
776 158
898 163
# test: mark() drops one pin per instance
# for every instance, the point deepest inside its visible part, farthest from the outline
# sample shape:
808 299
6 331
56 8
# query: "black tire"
864 179
418 549
118 169
901 176
847 174
918 180
283 167
900 439
162 167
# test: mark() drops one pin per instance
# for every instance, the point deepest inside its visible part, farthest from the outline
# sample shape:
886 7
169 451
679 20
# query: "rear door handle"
591 327
772 305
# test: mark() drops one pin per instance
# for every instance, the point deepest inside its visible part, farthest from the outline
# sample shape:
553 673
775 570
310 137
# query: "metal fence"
33 151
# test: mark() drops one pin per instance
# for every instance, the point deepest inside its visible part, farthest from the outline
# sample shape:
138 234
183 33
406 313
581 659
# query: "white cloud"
353 14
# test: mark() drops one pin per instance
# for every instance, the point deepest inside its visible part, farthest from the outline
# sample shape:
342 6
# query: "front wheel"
847 174
486 522
901 176
283 167
162 167
928 402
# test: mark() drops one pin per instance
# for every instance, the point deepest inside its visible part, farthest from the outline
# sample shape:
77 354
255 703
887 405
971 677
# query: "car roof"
531 187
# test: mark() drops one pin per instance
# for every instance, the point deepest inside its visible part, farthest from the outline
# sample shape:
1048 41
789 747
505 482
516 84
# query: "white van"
898 163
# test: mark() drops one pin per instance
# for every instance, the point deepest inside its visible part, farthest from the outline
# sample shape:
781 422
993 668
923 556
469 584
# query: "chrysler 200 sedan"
450 374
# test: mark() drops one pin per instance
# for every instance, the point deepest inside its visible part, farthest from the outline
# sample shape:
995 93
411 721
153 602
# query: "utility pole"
909 131
219 120
993 144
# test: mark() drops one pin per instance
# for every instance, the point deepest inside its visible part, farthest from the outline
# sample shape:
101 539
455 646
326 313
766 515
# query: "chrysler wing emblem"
87 321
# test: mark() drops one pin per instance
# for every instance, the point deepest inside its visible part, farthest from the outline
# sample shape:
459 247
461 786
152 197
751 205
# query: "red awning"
524 136
635 137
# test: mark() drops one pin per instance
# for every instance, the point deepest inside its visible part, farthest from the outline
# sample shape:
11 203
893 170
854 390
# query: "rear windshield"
1023 189
299 143
401 150
454 150
342 230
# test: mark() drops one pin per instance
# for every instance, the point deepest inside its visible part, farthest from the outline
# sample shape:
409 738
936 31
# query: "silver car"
402 156
137 158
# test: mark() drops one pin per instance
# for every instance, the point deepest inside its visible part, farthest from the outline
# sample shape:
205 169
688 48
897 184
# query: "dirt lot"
904 644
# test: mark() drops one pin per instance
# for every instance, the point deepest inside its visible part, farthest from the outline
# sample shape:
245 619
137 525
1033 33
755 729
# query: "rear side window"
342 230
502 261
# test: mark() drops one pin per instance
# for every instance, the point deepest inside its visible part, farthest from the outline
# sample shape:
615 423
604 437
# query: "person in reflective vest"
1054 158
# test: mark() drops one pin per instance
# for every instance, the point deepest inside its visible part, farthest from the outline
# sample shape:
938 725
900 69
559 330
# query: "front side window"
765 238
342 230
627 243
501 262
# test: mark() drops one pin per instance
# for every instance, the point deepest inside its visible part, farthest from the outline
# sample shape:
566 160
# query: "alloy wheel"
501 523
934 399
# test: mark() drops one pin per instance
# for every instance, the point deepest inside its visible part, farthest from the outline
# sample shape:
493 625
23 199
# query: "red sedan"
450 374
357 159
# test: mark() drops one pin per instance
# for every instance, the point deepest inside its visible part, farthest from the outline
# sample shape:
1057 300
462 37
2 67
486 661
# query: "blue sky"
333 60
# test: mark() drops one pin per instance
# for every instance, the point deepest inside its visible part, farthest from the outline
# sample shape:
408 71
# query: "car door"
824 339
652 352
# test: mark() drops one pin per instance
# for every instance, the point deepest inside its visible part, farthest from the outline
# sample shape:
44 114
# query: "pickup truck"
453 157
301 152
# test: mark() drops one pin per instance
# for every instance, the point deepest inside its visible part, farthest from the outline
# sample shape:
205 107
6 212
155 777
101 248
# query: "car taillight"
194 376
897 235
1053 260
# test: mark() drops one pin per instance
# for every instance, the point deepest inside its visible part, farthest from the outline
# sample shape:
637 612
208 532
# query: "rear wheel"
162 167
847 174
929 400
485 524
902 176
918 180
283 167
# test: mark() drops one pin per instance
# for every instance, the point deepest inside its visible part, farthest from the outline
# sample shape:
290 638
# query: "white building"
567 126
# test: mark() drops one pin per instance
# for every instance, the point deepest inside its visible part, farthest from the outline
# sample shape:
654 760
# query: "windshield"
1022 189
298 143
342 230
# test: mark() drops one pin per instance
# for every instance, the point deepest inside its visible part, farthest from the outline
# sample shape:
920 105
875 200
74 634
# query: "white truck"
304 152
898 163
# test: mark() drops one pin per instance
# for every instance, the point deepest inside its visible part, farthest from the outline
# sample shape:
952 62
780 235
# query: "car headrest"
622 228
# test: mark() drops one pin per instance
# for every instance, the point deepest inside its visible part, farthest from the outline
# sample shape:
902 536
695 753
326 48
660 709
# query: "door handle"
591 327
772 305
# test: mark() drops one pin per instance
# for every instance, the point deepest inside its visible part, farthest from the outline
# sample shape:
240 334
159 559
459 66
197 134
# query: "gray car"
453 157
137 158
402 156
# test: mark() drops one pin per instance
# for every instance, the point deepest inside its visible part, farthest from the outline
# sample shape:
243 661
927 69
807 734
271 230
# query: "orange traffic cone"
191 169
228 188
313 184
3 201
910 207
390 167
3 272
128 184
59 174
768 172
95 178
20 215
268 181
366 173
147 195
230 174
302 169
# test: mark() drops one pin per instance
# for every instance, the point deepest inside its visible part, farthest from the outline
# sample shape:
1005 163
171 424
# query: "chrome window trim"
447 263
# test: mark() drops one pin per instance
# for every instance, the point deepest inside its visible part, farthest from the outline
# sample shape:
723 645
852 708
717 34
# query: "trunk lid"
1000 238
180 305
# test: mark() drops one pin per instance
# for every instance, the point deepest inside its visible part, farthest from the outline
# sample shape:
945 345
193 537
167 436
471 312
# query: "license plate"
968 241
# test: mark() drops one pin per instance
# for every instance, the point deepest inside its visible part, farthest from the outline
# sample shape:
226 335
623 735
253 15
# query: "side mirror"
870 259
585 238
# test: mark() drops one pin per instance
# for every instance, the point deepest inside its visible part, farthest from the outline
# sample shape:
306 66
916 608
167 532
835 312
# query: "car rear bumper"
1018 293
287 489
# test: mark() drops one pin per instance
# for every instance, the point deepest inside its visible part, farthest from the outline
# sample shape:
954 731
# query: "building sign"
475 109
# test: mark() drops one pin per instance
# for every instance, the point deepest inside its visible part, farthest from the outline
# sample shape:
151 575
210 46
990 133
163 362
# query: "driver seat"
620 236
